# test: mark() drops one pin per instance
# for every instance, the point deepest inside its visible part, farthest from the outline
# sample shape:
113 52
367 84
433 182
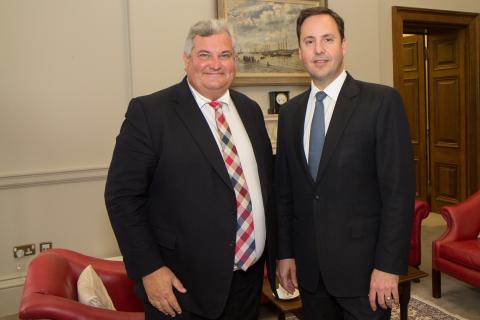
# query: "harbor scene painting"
266 39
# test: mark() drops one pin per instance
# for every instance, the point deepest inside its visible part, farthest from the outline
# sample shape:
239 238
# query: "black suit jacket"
356 215
170 199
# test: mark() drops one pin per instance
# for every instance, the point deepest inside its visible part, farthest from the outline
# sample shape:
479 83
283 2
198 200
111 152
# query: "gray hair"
207 28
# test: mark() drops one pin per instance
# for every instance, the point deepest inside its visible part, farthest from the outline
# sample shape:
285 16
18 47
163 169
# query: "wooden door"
413 94
452 99
447 114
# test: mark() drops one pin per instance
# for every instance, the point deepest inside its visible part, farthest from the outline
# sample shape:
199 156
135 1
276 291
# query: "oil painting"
266 40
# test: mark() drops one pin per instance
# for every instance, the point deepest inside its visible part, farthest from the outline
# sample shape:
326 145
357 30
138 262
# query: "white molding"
24 180
12 281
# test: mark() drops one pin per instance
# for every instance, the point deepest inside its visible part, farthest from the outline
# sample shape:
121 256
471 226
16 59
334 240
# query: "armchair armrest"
463 220
43 275
421 211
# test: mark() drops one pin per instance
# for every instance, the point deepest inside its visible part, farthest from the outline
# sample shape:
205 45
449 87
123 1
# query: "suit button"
231 244
317 197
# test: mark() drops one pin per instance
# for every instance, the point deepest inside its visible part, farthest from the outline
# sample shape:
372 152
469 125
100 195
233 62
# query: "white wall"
67 71
64 83
64 80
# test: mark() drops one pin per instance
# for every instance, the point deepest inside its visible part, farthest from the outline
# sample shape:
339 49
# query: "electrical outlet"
23 251
44 246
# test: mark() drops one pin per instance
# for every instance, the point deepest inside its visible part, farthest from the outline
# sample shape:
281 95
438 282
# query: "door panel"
447 118
413 94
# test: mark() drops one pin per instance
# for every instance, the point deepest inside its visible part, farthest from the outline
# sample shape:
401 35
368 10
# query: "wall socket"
20 267
44 246
23 251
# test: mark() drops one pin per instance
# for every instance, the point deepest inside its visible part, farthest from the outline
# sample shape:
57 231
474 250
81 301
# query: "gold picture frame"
266 40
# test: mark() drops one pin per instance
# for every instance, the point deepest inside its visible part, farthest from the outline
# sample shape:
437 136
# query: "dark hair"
315 11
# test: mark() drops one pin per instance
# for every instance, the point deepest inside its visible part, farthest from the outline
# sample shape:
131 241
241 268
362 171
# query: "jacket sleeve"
126 194
284 198
396 180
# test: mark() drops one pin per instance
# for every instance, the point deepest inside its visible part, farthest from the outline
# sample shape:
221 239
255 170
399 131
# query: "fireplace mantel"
271 124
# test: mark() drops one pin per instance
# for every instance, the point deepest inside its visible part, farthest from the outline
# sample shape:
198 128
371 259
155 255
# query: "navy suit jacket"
170 199
356 214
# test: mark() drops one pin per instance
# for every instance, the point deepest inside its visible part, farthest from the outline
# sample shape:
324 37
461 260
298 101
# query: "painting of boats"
266 41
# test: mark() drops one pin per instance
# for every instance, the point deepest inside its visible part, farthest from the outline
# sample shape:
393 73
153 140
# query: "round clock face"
281 98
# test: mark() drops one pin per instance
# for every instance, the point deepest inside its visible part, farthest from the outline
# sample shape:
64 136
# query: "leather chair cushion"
466 253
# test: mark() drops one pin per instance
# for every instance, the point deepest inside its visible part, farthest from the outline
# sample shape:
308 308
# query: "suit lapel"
344 108
299 124
193 119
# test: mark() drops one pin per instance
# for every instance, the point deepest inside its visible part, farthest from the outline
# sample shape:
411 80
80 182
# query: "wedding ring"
388 298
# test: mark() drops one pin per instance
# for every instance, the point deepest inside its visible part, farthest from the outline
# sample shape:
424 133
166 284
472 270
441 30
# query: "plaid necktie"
245 242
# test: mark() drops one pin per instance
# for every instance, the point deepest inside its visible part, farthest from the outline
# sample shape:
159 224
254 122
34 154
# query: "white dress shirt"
332 91
247 159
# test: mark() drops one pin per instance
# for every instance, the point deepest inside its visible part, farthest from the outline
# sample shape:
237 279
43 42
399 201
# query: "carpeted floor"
418 309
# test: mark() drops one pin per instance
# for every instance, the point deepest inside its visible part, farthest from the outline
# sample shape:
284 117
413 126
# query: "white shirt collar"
333 89
202 101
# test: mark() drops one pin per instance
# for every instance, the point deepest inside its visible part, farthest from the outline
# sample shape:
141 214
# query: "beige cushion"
92 291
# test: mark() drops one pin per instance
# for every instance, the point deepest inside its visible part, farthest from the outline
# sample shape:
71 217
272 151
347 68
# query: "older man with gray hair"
189 191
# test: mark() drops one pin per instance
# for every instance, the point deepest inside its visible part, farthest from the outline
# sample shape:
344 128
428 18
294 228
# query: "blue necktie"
317 135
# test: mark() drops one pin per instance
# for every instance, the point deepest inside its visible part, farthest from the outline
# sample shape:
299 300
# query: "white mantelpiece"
271 124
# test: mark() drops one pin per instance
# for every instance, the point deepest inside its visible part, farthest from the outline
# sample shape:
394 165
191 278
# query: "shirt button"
317 197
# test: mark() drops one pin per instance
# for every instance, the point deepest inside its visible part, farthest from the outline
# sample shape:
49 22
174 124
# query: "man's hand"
287 274
158 286
384 288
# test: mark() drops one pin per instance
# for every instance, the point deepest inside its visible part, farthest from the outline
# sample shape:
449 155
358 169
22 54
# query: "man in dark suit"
189 190
345 183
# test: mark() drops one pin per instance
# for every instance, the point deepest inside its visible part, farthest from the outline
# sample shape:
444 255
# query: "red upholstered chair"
422 210
457 252
50 290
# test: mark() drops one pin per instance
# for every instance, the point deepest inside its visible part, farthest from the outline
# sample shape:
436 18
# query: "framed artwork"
266 40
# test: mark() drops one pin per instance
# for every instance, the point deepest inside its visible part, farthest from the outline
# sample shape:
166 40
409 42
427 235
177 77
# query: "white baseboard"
11 287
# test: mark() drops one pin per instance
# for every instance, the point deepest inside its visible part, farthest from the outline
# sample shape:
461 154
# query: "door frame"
411 19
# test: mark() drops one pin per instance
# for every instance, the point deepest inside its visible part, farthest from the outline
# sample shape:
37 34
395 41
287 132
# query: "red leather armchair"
457 252
50 290
422 210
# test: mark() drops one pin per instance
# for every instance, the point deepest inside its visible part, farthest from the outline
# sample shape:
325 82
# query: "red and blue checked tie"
245 242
